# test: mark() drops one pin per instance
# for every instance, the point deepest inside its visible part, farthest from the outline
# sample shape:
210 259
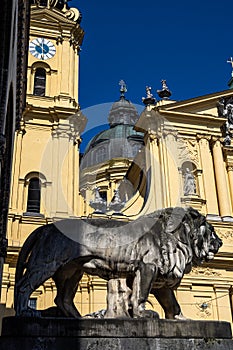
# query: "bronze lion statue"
152 253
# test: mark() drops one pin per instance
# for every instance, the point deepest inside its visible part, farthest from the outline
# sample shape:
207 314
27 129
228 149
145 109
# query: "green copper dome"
119 141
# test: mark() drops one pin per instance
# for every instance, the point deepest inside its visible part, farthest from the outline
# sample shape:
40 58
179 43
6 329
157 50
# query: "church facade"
13 61
172 154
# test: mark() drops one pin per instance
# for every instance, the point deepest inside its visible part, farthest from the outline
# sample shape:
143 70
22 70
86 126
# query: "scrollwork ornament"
73 14
230 168
205 272
225 234
188 150
152 135
171 132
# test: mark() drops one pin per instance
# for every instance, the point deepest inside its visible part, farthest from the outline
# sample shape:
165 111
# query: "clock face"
42 48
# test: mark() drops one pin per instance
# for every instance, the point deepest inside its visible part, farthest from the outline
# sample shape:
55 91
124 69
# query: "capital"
203 137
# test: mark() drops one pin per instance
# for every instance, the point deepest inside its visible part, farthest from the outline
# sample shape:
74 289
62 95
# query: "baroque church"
172 154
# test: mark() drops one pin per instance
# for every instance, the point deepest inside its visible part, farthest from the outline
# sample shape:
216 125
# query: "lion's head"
189 241
204 241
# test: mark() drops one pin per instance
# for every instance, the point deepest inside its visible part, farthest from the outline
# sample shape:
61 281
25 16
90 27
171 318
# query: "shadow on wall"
5 312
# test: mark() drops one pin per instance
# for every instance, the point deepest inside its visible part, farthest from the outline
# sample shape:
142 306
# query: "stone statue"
189 183
225 110
99 204
116 204
150 254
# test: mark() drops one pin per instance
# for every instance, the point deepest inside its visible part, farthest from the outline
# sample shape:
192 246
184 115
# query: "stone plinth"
113 334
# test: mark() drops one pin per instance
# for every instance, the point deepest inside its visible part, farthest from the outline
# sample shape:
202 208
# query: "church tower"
45 171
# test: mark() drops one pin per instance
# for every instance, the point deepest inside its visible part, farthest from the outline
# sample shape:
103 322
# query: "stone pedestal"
113 334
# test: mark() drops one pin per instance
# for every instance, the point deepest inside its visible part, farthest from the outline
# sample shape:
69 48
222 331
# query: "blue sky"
142 42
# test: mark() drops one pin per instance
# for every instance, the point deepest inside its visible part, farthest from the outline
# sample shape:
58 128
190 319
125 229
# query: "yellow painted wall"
175 133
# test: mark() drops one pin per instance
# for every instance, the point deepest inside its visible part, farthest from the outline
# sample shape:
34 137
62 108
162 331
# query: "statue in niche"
148 255
189 183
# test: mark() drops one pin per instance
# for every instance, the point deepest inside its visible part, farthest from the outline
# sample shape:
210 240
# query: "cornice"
197 100
200 118
42 112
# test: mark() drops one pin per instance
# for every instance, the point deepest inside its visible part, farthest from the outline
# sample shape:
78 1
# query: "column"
173 176
208 176
155 198
76 197
54 172
221 181
164 172
230 178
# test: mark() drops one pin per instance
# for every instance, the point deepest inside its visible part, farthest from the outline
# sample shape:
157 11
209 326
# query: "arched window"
34 189
39 82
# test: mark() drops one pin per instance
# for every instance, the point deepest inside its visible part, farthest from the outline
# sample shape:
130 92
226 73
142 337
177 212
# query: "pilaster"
172 174
221 181
208 175
153 158
223 302
13 206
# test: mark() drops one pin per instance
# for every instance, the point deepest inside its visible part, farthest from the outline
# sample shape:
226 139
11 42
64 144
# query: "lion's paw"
180 317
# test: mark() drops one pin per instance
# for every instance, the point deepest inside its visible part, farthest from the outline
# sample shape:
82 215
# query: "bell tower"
53 60
45 173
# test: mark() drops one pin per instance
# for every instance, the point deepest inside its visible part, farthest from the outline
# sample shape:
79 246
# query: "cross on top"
123 88
230 61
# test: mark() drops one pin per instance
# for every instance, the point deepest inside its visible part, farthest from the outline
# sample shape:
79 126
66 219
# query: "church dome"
122 112
120 140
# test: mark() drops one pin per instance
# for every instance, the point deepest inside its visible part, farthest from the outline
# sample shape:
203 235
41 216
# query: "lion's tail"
23 256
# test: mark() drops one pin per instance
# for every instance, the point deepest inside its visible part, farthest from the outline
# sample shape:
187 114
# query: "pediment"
49 16
204 105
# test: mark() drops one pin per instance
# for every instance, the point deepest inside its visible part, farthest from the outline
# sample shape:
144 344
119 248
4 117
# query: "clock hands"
42 48
41 45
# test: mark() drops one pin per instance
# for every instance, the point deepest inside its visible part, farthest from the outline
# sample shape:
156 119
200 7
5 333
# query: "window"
39 82
32 303
100 154
33 203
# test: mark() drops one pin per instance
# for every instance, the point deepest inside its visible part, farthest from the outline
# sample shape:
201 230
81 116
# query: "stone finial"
123 88
149 99
225 110
231 62
165 93
230 82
